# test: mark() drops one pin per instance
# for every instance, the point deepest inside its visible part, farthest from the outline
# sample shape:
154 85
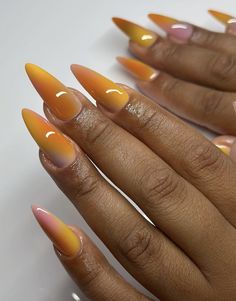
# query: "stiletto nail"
52 142
136 33
227 20
59 98
178 30
63 238
103 90
140 70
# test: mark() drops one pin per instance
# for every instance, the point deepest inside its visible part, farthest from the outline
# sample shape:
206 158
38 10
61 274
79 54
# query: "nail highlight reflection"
57 96
59 149
103 90
63 238
138 69
173 27
226 19
136 33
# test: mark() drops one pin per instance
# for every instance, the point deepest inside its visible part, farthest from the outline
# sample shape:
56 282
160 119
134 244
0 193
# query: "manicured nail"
138 69
136 33
59 149
225 149
227 20
174 28
59 98
103 90
63 238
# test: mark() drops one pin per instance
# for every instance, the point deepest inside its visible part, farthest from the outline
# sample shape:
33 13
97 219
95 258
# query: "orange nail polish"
140 70
63 238
103 90
226 19
59 98
52 142
179 30
225 149
136 33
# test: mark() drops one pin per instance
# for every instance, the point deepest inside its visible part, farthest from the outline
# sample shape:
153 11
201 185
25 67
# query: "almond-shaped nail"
59 148
103 90
226 19
63 238
138 69
142 36
62 102
178 30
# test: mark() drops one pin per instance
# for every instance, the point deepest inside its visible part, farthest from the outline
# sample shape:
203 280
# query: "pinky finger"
84 262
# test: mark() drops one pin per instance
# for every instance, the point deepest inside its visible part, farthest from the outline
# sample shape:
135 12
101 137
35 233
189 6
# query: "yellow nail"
138 69
63 238
58 147
225 149
136 33
103 90
222 17
58 97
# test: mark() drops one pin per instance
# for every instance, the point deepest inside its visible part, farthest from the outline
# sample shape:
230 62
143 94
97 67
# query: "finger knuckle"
212 101
222 66
86 187
164 51
169 87
204 37
99 132
137 246
204 156
158 184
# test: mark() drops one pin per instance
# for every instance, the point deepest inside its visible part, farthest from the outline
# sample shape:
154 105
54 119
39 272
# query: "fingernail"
136 33
227 20
59 98
103 90
59 149
63 238
138 69
174 28
225 149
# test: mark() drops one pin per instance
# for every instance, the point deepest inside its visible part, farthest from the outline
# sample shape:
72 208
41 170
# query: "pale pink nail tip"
181 31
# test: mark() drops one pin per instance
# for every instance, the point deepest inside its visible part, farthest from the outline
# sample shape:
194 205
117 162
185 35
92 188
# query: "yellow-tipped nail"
138 69
58 97
225 149
63 238
136 33
222 17
58 147
103 90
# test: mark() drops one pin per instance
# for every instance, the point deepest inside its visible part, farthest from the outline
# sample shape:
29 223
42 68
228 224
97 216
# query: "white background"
54 34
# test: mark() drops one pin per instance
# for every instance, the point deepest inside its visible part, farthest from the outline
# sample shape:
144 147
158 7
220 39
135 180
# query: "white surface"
54 34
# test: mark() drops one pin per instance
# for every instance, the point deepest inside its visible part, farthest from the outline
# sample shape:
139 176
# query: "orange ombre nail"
136 33
178 30
226 19
63 238
103 90
52 142
140 70
58 97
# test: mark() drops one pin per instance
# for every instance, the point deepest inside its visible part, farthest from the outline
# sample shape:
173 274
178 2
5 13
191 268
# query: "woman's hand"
181 181
192 72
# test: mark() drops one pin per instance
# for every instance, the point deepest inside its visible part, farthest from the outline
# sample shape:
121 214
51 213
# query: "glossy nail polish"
103 90
136 33
61 101
225 149
227 20
59 149
63 238
178 30
138 69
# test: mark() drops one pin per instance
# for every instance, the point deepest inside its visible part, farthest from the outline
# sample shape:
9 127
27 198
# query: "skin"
189 252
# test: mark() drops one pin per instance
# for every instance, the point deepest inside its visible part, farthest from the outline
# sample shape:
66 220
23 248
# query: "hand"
181 181
191 72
